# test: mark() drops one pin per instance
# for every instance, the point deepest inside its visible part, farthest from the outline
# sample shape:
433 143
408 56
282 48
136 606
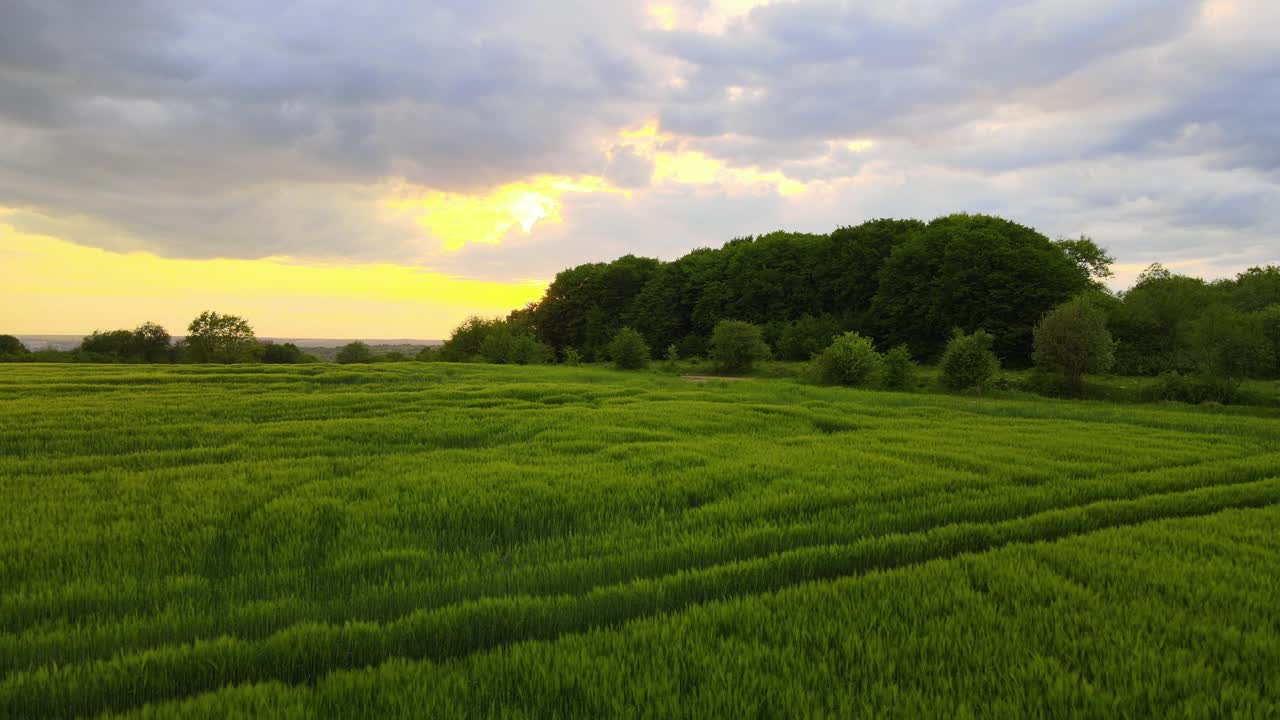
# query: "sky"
383 169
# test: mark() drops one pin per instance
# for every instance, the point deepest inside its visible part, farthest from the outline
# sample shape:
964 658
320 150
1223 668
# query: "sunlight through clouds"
457 219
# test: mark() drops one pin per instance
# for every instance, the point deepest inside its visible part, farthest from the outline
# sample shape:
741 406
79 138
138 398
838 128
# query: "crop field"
438 540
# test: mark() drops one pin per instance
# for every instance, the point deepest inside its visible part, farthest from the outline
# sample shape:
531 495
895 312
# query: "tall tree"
215 338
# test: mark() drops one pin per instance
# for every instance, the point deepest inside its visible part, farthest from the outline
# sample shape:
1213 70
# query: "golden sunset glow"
457 219
673 163
50 283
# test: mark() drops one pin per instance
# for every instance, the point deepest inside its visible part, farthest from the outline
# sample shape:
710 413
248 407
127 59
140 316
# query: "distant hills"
323 348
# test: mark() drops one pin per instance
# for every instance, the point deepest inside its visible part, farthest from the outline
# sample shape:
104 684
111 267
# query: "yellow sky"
52 286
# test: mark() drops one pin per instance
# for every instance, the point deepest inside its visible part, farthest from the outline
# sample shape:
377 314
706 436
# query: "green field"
436 540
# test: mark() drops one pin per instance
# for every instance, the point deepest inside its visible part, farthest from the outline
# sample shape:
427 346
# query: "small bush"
850 359
628 350
968 361
736 346
572 357
427 354
899 368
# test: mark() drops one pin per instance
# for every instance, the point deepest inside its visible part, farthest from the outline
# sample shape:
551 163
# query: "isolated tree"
968 361
851 359
628 350
10 345
899 368
214 338
354 352
1071 341
736 346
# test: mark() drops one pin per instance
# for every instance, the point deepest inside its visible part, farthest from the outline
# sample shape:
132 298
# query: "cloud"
505 140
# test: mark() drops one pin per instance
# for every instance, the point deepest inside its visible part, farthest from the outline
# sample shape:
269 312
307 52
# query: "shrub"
1195 389
850 359
355 352
511 343
464 343
968 361
802 338
737 345
527 350
692 346
899 368
628 350
572 357
1072 340
427 354
282 354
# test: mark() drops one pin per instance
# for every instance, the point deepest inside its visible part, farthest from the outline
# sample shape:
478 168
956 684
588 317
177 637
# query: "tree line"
907 288
211 338
861 302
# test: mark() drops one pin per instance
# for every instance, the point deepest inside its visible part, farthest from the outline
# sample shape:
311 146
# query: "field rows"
299 532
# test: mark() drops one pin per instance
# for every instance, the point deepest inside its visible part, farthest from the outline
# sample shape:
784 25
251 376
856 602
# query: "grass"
468 541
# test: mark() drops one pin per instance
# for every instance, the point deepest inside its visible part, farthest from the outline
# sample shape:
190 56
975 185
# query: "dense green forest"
908 282
905 286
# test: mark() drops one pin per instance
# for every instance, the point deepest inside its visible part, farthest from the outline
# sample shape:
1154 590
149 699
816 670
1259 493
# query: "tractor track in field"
451 632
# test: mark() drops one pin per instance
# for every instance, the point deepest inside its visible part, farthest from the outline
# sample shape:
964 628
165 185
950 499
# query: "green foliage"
737 346
509 342
572 357
1268 324
802 338
692 347
147 343
628 350
969 361
1195 389
1153 326
115 344
899 368
283 354
214 338
851 359
1255 289
1092 261
673 354
970 272
428 354
464 344
1225 343
462 541
1072 340
10 345
353 353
